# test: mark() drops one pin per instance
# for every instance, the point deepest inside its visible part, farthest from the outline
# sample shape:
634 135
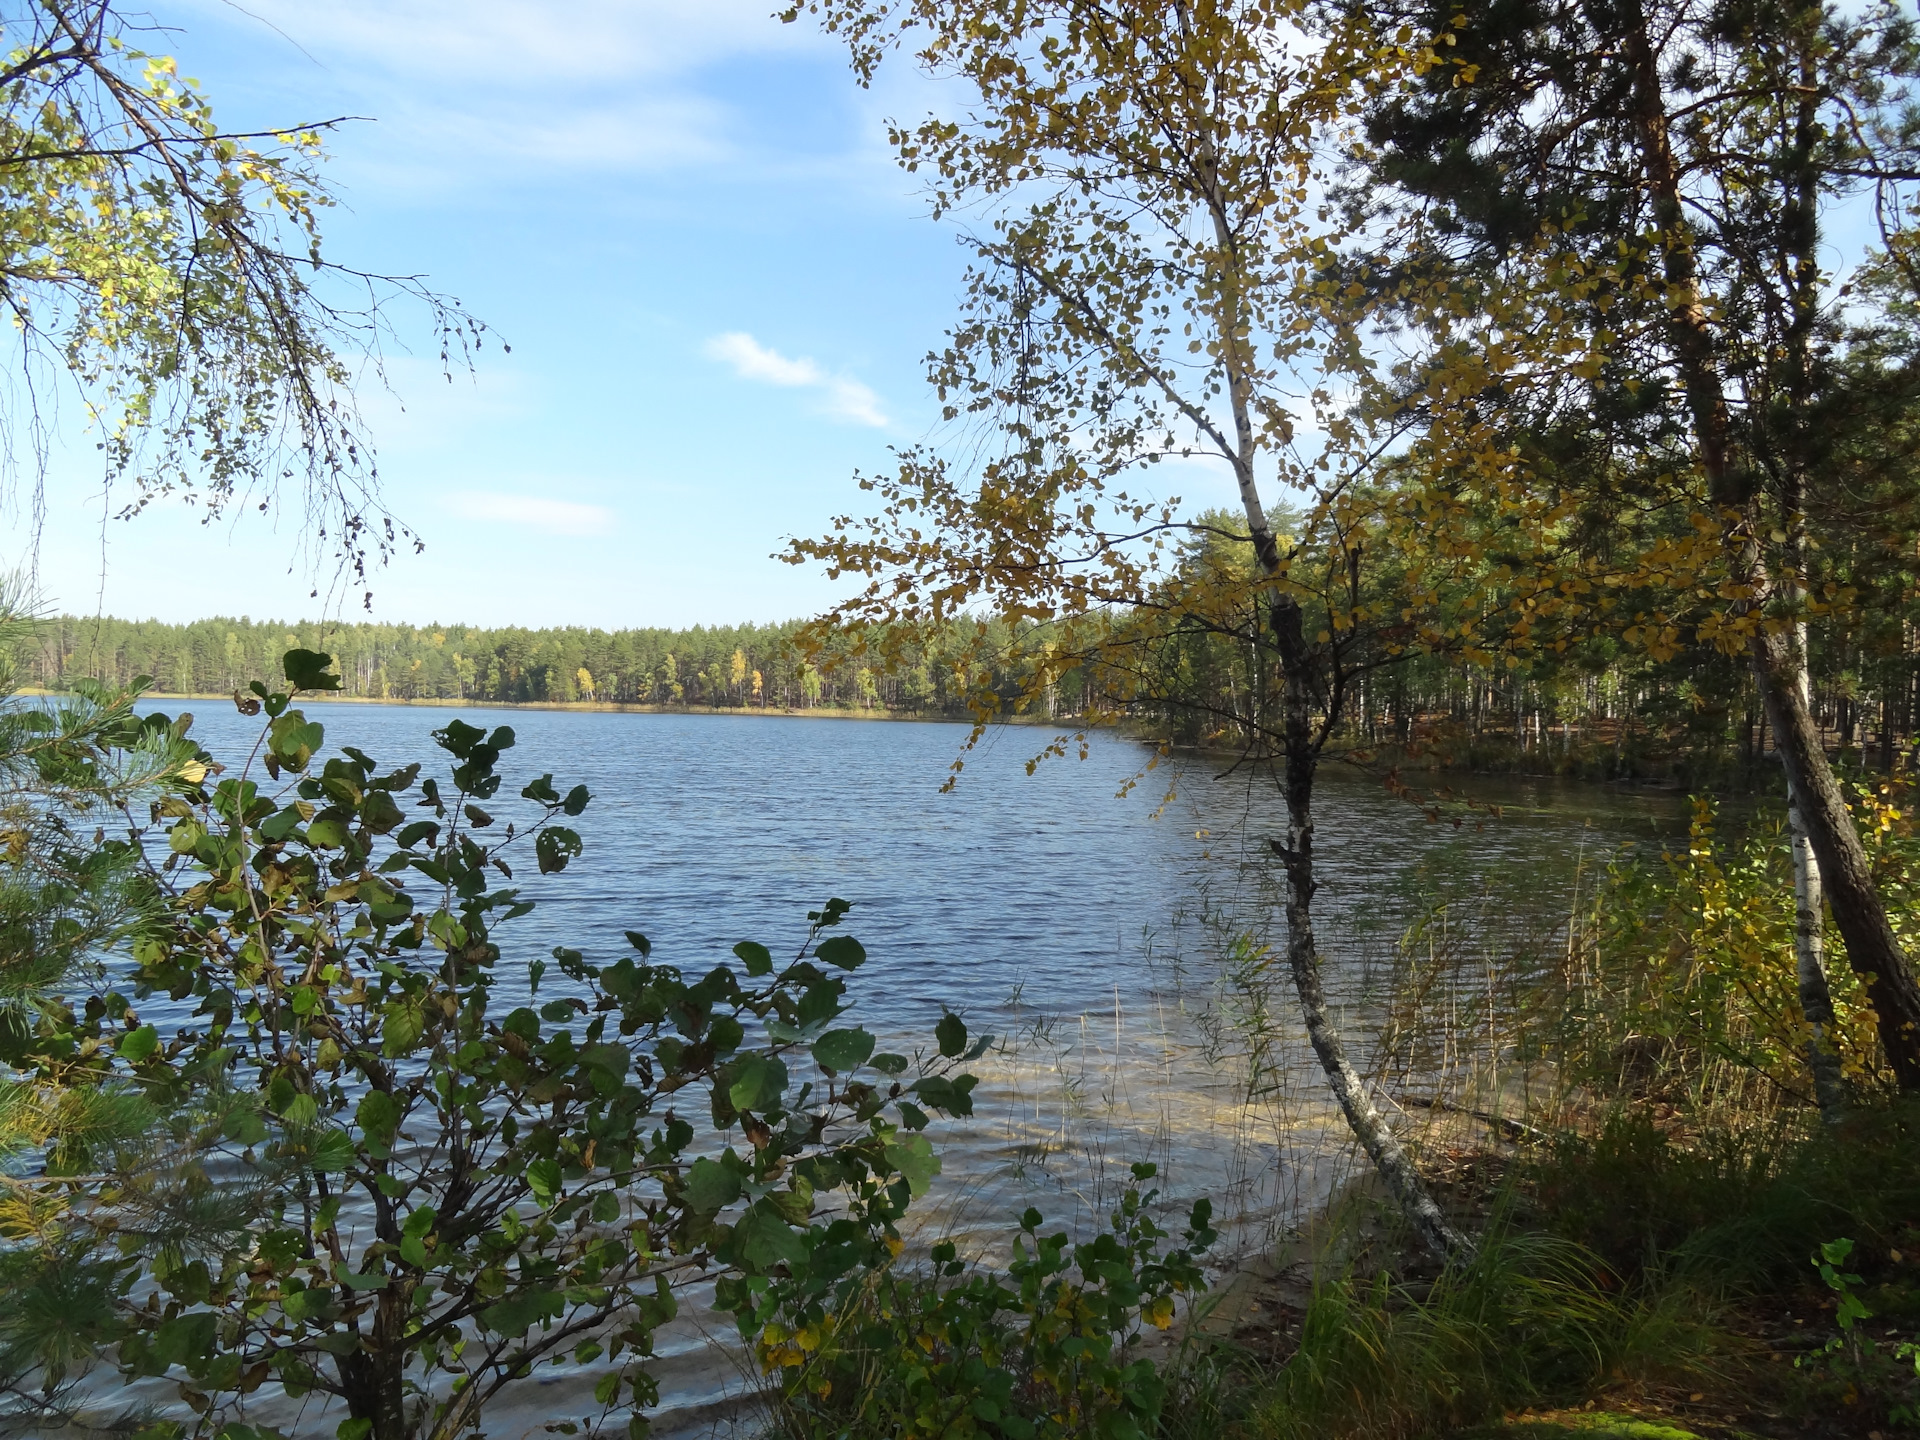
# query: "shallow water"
1094 933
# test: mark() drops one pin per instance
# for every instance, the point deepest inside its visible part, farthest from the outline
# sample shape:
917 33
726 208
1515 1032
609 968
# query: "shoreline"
1386 758
611 707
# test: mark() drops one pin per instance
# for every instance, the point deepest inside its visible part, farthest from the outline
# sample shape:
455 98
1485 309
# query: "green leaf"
419 830
980 1047
888 1063
544 1179
914 1159
820 1004
763 1239
554 847
519 1313
377 1114
307 670
380 813
352 1281
951 1094
710 1187
759 959
186 1338
951 1032
292 740
137 1045
328 832
414 1233
401 1026
843 1049
842 950
245 1124
354 1430
302 1305
760 1081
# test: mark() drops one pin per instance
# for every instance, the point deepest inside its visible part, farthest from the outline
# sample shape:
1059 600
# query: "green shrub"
1737 1211
1046 1350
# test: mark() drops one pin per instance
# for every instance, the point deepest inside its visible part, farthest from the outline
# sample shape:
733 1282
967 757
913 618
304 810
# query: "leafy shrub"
1737 1212
862 1347
1682 985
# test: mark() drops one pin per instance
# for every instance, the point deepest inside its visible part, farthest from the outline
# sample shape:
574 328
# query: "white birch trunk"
1809 927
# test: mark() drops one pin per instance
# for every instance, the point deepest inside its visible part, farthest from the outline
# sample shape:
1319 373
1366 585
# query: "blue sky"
683 217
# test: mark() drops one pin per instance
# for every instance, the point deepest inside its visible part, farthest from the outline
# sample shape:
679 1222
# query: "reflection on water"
1115 948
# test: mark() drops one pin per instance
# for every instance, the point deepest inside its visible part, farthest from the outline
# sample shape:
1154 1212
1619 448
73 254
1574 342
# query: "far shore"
816 712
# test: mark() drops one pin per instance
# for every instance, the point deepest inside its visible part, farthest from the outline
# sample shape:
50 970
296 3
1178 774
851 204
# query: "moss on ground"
1579 1425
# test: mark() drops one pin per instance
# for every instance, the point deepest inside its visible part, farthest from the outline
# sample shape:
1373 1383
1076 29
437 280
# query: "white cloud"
842 398
753 361
469 91
556 517
529 45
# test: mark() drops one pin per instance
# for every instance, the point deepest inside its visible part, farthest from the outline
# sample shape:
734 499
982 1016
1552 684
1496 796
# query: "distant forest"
1594 711
720 666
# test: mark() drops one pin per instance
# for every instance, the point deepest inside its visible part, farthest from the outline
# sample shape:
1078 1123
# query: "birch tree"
169 274
1152 283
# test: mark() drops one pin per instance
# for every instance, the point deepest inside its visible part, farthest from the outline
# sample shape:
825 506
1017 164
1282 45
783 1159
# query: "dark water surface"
1095 934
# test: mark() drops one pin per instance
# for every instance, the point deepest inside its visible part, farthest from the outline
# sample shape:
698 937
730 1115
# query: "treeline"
1589 703
758 666
1596 709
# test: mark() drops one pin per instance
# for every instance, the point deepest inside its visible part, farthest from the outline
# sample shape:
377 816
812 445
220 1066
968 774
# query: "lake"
1100 936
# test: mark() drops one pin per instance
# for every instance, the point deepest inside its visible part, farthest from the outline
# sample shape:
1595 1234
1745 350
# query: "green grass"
1534 1319
1617 1265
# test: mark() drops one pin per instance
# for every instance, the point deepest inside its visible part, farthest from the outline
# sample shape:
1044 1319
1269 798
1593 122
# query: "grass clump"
1767 1283
1533 1318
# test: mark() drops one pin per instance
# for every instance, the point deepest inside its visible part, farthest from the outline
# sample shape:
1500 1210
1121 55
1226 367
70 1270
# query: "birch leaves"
173 272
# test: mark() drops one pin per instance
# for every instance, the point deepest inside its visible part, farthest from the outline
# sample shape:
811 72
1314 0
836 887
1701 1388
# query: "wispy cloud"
528 45
599 85
556 517
842 398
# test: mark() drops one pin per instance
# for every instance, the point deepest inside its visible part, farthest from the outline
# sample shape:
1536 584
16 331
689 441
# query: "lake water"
1095 933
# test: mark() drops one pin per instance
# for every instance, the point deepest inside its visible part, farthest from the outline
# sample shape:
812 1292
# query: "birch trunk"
1873 950
1300 744
1369 1127
1810 970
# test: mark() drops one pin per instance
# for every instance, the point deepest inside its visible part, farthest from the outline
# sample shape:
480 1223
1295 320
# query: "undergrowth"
1627 1267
